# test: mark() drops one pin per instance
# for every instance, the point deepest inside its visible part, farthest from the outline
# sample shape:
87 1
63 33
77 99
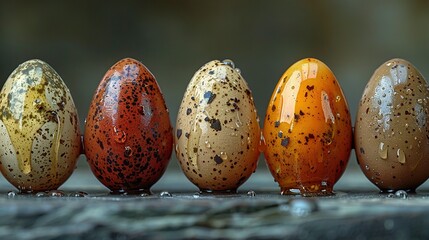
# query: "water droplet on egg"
366 167
251 193
338 98
382 150
401 156
409 91
11 194
238 70
128 152
229 62
141 110
207 144
118 135
420 100
176 147
224 156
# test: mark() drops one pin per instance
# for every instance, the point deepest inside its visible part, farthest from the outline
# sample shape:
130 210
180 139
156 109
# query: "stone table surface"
177 211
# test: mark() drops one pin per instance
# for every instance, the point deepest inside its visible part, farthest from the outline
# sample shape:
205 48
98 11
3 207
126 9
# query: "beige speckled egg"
39 128
217 130
392 127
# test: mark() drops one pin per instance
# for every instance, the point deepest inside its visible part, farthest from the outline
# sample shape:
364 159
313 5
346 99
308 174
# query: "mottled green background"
82 39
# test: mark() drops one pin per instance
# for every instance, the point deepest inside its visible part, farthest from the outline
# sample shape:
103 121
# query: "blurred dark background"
82 39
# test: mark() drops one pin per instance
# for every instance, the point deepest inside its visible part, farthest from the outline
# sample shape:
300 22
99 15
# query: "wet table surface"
176 210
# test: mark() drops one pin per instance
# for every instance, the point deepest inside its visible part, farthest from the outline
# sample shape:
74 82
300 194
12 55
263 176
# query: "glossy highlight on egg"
391 131
39 128
128 136
307 130
217 129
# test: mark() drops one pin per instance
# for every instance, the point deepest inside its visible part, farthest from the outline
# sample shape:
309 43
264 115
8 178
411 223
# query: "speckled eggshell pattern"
128 136
39 128
217 129
391 131
307 130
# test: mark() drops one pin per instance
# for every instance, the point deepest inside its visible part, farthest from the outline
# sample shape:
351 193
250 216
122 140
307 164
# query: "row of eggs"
307 135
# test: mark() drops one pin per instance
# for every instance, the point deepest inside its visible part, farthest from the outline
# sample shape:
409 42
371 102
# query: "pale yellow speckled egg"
39 128
217 130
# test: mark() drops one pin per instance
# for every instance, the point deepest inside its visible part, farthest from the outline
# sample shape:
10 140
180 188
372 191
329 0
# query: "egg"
307 130
391 130
217 129
128 137
39 128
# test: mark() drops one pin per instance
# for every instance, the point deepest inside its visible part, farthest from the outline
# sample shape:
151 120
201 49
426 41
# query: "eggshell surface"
39 128
217 129
391 131
307 130
128 136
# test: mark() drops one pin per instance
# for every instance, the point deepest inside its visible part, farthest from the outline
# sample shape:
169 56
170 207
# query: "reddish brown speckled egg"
307 130
128 136
39 128
391 132
217 129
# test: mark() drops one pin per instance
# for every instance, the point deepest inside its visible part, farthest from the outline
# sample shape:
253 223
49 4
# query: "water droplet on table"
401 194
144 194
251 193
41 194
165 194
79 194
56 193
11 194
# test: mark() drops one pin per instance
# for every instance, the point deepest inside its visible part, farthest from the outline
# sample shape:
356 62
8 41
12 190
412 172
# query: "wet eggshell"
128 136
307 130
39 128
217 129
391 131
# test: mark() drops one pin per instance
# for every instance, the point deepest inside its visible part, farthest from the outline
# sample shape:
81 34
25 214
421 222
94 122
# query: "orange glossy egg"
307 130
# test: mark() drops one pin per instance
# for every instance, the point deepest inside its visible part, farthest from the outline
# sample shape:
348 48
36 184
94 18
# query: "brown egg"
391 131
217 129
